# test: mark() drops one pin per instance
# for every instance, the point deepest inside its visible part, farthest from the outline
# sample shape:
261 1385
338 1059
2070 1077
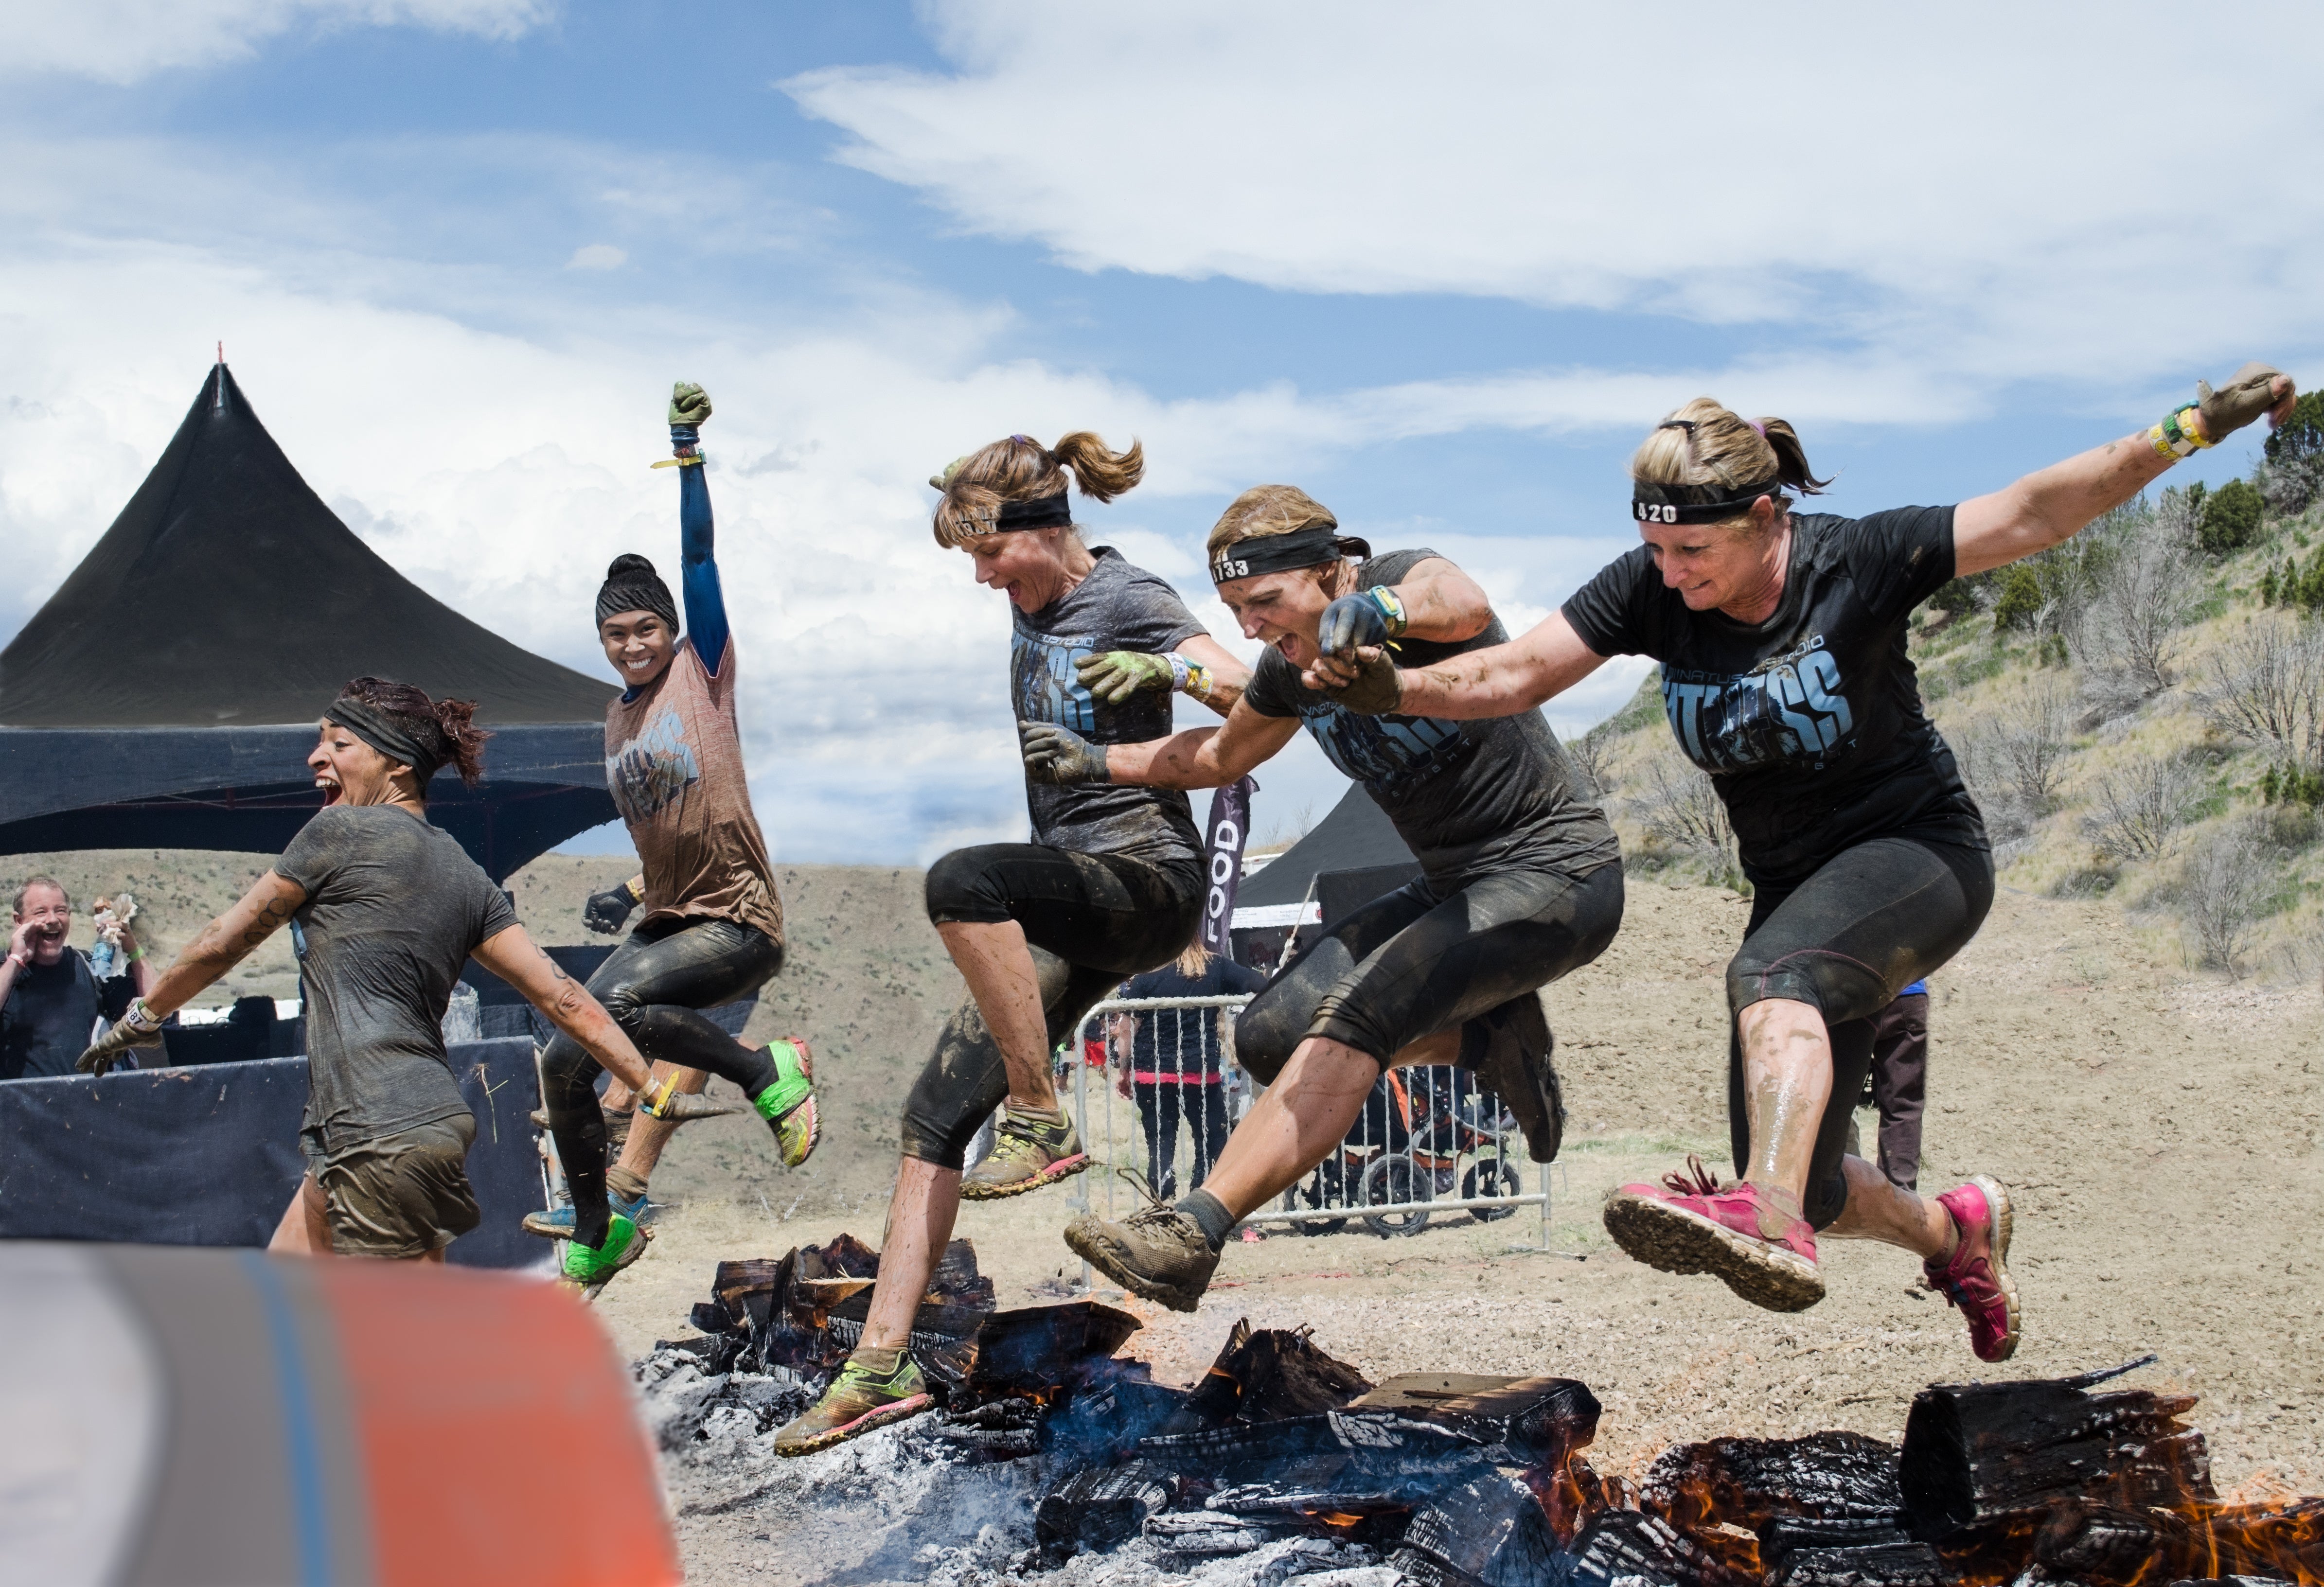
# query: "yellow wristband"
2187 427
693 462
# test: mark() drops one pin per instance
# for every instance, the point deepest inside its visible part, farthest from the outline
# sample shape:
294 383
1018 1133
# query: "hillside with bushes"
2140 712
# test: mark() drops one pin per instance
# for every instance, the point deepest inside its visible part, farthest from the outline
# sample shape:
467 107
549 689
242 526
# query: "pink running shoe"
1691 1224
1977 1276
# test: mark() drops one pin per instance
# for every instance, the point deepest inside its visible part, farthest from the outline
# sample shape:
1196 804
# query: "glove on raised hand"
689 403
129 1031
2248 394
1378 689
605 912
1116 675
1351 620
1060 756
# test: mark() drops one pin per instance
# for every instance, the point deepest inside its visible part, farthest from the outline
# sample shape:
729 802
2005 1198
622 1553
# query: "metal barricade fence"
1161 1092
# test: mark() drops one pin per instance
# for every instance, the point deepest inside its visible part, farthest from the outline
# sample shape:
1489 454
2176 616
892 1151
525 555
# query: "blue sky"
1441 276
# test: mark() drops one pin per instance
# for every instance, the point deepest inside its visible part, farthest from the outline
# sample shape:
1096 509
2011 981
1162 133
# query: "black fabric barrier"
211 1155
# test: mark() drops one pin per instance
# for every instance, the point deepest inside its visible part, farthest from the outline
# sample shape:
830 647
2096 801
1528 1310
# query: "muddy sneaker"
1691 1224
1160 1254
858 1400
788 1104
1510 1049
589 1269
1975 1278
557 1223
1028 1152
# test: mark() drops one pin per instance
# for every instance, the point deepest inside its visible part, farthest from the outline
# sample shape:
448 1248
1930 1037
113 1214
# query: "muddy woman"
712 930
1110 886
1782 639
1521 883
392 908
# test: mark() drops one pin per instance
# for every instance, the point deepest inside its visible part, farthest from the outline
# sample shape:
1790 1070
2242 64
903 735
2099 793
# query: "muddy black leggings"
654 985
1848 939
1091 920
1416 963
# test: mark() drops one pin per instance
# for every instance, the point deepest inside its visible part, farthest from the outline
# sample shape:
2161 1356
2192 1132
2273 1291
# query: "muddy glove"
1060 756
1378 686
1116 675
689 403
2249 393
605 912
137 1027
1371 617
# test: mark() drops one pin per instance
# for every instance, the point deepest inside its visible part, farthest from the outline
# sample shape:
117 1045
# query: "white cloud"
1978 193
125 41
597 256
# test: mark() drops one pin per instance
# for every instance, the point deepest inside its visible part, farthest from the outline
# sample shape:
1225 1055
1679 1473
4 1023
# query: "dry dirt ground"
2162 1136
2159 1136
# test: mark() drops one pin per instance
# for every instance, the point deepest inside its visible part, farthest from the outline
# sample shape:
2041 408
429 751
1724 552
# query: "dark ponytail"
445 728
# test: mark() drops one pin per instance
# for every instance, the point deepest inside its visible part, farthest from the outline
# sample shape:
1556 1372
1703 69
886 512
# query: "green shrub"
2301 436
2292 785
1959 596
2228 519
2021 600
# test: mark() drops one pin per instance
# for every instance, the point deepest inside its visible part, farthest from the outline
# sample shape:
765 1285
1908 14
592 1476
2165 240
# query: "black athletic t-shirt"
1117 607
52 1016
1467 798
1810 724
394 908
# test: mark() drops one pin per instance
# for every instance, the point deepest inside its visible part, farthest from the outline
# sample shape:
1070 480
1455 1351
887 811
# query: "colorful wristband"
637 894
140 1019
2174 438
1390 608
1191 678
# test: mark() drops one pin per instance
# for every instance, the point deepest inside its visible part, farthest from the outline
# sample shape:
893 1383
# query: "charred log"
2101 1542
1002 1430
1631 1544
1750 1482
1209 1532
1898 1563
1488 1530
1098 1507
1540 1421
1983 1457
1268 1374
1040 1350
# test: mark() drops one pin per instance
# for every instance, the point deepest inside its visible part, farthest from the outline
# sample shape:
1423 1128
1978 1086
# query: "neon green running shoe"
589 1269
1029 1150
858 1400
788 1104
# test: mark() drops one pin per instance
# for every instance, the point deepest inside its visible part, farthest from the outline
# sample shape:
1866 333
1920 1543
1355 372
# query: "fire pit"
1053 1459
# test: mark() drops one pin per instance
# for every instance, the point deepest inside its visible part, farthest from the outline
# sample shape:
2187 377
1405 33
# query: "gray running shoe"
1509 1048
1160 1254
1028 1152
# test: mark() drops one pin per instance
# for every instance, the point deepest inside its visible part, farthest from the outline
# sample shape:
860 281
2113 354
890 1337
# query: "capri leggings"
1846 940
653 985
1091 920
1415 963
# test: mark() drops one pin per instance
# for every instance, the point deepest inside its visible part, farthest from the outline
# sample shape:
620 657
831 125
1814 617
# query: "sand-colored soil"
2159 1136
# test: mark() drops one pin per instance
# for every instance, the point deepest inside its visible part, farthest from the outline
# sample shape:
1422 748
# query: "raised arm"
705 601
1499 680
1202 757
223 944
2051 504
512 955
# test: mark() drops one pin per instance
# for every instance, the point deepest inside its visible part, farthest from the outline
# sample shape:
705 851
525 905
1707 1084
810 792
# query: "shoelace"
1695 1181
1015 1139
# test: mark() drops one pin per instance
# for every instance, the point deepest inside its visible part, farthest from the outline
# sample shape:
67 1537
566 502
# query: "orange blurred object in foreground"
183 1415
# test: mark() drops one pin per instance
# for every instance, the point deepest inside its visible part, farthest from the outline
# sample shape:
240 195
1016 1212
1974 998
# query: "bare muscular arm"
1203 757
512 955
1229 677
1501 680
225 942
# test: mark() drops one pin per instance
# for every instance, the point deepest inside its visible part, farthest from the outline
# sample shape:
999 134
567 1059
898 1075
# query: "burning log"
1982 1462
1898 1563
1043 1352
1633 1546
1272 1373
2101 1542
1490 1530
1208 1532
1540 1421
1098 1507
1750 1482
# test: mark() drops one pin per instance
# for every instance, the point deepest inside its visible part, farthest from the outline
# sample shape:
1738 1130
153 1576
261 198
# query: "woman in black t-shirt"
1785 677
1520 884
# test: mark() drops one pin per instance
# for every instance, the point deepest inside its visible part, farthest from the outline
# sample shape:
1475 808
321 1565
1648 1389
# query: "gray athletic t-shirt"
1118 607
394 908
1467 798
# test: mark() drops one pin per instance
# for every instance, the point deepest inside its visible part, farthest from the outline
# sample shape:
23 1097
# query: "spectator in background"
1176 1061
51 1002
1900 1082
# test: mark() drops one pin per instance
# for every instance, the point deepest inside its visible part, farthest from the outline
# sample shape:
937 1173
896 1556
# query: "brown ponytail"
1706 444
1020 469
449 727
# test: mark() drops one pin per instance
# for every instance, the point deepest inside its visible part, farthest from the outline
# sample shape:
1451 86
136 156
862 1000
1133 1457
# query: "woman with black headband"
1521 883
713 930
1785 677
392 908
1111 884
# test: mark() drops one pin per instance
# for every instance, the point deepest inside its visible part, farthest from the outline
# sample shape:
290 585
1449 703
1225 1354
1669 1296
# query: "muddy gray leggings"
1876 918
1091 920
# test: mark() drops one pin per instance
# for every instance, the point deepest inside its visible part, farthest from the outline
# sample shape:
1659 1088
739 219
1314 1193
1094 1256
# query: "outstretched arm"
1202 669
512 955
1203 757
223 943
705 601
1499 680
2051 504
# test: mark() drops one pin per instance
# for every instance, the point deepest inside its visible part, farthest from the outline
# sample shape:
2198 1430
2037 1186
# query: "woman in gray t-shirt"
391 908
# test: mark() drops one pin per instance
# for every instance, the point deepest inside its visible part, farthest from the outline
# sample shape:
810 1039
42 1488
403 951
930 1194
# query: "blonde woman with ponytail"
1111 884
1781 636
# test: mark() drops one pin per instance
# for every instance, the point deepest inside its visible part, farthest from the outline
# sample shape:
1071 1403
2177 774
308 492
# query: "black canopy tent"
166 695
1350 858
